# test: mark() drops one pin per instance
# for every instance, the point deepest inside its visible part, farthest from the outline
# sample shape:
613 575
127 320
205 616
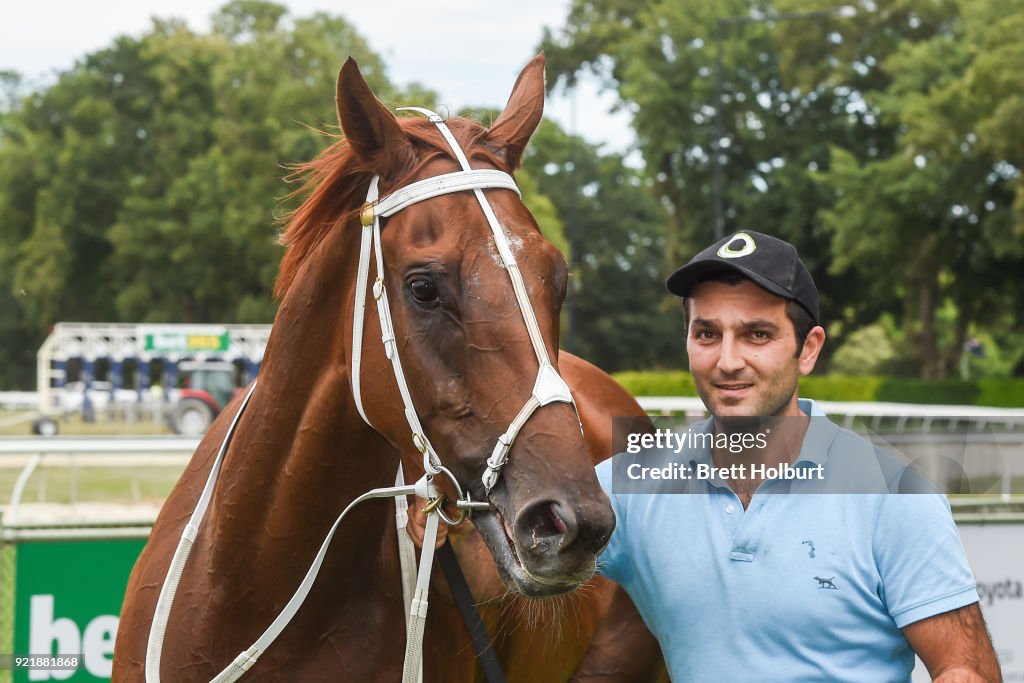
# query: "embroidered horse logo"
826 583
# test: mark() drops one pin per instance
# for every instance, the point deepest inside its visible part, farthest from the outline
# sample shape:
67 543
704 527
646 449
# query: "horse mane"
336 181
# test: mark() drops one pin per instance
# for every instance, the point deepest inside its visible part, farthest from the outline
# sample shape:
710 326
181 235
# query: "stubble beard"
767 407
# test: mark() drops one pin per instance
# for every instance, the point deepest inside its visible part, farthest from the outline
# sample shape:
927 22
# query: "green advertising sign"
186 342
67 598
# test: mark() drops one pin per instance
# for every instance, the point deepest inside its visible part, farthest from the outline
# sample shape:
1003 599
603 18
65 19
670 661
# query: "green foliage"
995 359
653 383
863 352
1003 393
907 390
840 387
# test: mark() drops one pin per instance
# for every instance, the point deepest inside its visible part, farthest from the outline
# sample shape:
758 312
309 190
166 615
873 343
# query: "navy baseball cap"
772 264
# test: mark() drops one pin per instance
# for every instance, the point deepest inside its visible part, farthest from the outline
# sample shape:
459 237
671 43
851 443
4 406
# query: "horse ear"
371 129
513 128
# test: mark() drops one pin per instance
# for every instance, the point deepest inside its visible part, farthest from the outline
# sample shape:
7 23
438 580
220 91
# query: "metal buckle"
366 215
420 443
433 505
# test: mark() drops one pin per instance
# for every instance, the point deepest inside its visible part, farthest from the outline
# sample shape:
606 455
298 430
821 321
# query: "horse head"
464 344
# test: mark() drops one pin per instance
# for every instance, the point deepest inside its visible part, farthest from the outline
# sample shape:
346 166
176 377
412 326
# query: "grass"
119 484
115 484
73 425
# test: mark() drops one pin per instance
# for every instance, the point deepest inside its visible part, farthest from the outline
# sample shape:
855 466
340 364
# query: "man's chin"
741 423
745 409
733 408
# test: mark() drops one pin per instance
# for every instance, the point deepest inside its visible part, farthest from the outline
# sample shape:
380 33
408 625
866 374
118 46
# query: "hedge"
1000 393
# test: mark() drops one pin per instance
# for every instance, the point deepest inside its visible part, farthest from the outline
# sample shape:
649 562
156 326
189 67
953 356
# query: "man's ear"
513 128
370 128
813 344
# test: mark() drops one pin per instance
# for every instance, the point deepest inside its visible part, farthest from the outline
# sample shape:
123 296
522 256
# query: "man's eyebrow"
760 324
705 322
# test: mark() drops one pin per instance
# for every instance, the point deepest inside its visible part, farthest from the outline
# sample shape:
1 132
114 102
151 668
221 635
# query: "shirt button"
729 508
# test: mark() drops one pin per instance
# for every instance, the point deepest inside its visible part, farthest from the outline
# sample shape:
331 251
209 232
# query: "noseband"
549 387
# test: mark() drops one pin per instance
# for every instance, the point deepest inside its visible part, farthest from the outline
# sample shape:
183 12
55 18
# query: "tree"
145 184
615 232
821 118
935 219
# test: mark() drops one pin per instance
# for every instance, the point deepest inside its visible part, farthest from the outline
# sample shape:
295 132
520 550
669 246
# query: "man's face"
742 350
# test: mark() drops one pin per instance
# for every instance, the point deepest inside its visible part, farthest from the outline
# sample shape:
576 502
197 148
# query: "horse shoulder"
600 400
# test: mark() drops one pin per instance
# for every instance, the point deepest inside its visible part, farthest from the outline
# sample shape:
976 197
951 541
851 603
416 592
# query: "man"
740 584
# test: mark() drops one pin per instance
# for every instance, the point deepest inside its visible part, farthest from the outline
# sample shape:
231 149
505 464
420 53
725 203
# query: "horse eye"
424 291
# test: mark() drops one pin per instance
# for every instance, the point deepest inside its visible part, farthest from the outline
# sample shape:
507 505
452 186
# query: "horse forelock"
335 185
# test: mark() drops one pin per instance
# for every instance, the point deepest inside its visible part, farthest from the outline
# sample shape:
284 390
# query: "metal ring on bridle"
451 477
463 502
449 521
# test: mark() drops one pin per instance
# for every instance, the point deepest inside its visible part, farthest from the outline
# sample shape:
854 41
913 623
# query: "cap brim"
682 282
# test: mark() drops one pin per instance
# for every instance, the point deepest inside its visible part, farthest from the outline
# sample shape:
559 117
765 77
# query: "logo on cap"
738 245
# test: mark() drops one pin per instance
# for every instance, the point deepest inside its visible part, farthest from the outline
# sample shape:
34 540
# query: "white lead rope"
417 610
157 630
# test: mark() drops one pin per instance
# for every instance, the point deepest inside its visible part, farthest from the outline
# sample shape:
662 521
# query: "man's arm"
955 646
622 649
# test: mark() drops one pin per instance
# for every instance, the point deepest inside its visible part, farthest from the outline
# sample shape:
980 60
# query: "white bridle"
548 388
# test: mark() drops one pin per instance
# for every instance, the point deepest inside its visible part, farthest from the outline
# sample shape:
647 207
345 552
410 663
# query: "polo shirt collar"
820 434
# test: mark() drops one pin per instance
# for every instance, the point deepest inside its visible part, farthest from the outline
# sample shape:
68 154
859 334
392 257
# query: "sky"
468 51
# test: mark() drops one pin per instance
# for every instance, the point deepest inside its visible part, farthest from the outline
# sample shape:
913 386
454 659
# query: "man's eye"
705 334
760 335
423 290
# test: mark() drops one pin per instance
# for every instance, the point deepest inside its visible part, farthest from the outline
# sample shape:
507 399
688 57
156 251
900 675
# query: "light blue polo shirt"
799 587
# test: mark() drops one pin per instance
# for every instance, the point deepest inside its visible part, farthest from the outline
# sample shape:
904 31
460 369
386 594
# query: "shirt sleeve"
921 562
614 561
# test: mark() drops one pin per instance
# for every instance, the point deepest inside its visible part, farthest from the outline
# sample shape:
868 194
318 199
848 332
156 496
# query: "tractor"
206 387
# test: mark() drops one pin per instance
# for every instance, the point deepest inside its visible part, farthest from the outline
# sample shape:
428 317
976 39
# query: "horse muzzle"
550 546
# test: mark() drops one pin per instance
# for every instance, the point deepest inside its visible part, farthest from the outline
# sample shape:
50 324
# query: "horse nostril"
546 527
556 521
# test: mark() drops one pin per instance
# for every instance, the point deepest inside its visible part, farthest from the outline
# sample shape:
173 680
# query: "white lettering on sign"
96 645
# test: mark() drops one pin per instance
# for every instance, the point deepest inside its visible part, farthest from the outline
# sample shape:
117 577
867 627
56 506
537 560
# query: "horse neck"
301 452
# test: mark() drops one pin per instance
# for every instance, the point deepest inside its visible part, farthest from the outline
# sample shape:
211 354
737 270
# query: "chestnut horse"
301 451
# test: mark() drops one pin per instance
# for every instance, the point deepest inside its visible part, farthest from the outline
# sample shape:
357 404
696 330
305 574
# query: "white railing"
117 445
30 453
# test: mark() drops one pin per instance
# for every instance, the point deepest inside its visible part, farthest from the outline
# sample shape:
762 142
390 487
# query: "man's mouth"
733 387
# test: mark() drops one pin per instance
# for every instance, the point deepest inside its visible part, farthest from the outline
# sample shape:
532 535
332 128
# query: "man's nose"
730 358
